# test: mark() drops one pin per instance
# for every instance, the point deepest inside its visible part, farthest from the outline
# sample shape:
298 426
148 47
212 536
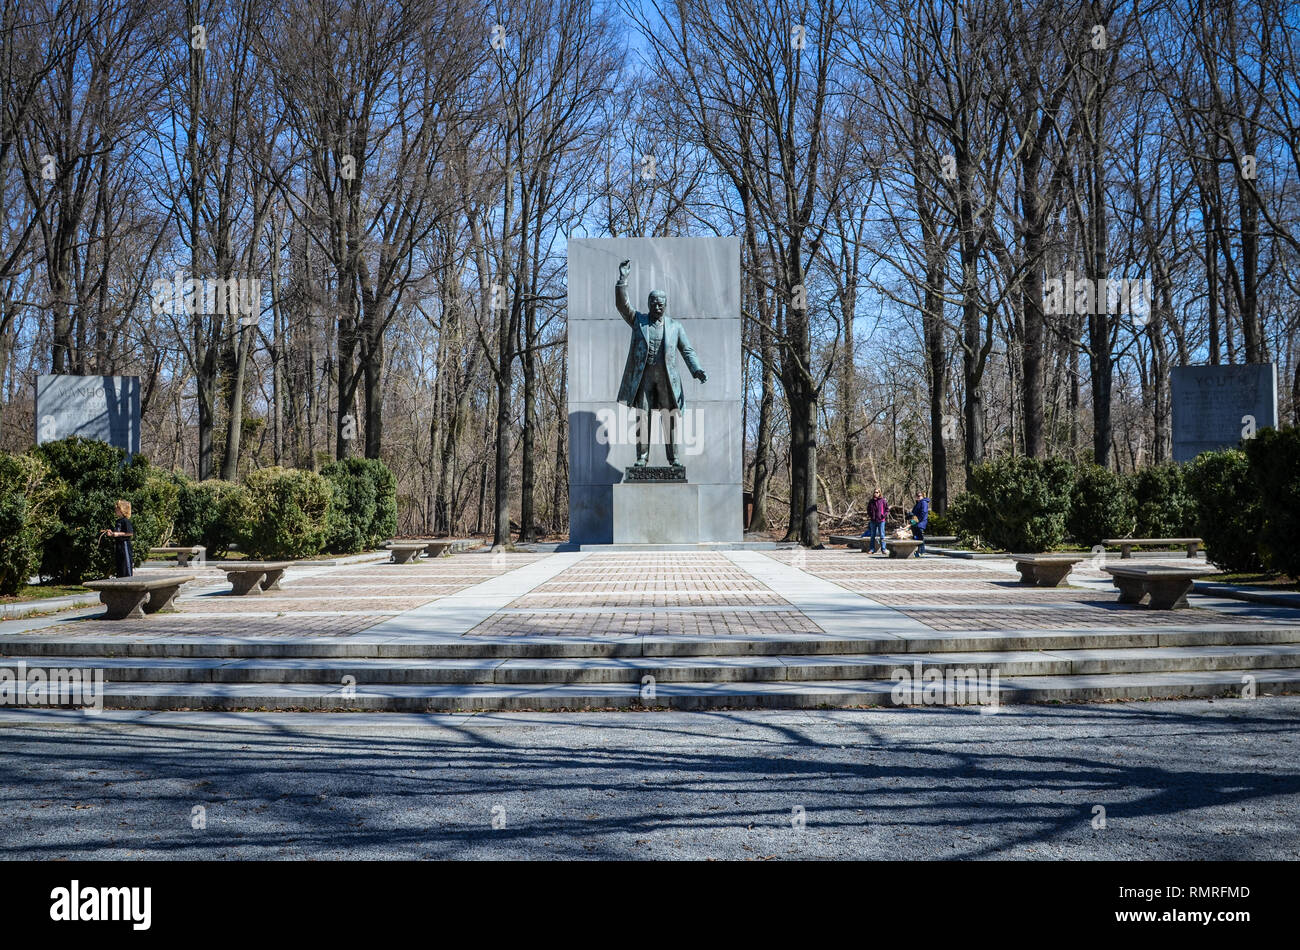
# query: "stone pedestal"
656 513
702 279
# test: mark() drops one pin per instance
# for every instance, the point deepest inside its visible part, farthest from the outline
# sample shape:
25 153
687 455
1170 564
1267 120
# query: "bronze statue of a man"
650 379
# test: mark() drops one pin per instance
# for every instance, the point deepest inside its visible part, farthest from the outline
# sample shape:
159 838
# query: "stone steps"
458 647
812 694
366 672
412 671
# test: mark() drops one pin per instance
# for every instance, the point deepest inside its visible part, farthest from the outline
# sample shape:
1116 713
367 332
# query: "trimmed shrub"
1165 509
209 513
1016 503
92 475
940 525
188 511
284 513
1100 505
1274 457
28 492
384 525
364 513
153 515
962 521
1228 513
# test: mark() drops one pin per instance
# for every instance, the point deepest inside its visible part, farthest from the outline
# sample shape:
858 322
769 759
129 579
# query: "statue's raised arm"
620 294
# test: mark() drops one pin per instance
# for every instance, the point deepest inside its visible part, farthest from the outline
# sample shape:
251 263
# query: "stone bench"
1126 545
404 552
852 541
900 548
183 554
130 598
1167 587
253 577
438 548
1045 570
941 539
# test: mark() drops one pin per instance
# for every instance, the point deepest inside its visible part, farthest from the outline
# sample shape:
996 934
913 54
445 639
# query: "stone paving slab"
616 581
830 606
311 606
316 601
616 622
1075 617
435 587
281 626
660 598
987 595
461 612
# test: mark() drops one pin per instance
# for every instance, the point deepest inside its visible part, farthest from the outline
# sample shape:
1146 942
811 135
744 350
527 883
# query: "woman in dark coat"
122 532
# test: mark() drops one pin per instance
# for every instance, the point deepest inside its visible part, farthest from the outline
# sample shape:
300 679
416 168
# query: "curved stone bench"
899 548
1126 545
130 598
406 551
1045 570
1167 587
851 540
438 548
253 577
183 553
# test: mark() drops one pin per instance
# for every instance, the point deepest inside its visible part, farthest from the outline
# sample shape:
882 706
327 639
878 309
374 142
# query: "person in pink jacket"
877 512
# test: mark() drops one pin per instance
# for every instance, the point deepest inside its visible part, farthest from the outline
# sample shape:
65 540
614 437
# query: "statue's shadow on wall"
592 478
121 421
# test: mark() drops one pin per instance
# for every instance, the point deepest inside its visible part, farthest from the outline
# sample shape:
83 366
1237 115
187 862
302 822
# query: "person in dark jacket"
877 512
122 532
920 518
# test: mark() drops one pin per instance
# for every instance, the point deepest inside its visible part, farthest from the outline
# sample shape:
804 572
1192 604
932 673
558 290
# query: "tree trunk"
1031 383
1099 323
204 357
234 428
374 383
763 438
528 462
932 322
501 492
1211 270
809 525
972 379
798 469
848 304
560 491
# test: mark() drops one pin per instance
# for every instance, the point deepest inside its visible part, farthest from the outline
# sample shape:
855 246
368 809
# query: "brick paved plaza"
627 594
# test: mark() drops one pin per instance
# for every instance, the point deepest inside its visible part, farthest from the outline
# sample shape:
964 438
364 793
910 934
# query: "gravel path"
1178 780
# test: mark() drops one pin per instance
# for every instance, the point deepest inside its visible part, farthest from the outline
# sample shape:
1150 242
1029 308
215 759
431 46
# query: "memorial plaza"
1081 679
570 703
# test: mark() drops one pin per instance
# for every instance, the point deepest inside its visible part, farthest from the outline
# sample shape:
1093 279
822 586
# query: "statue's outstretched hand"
623 269
702 376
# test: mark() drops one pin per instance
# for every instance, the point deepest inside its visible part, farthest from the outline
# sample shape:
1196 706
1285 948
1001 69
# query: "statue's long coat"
674 339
